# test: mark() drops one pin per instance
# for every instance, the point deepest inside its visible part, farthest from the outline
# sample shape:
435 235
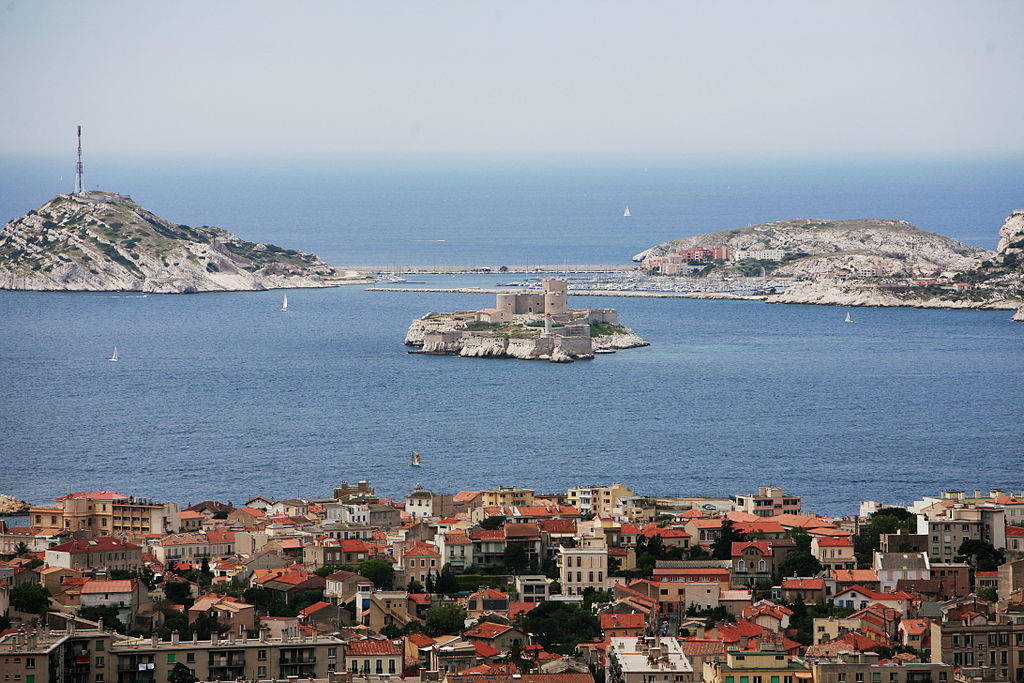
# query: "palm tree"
21 549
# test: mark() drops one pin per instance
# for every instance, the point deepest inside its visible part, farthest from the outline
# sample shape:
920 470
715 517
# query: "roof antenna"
79 186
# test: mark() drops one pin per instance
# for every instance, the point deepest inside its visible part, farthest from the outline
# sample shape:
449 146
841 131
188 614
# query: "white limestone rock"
9 505
100 241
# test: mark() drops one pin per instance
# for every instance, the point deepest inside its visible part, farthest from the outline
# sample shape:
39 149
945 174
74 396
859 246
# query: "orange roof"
764 546
487 630
371 646
119 586
253 512
692 513
421 640
485 650
835 542
465 496
190 514
854 575
623 621
915 626
95 495
803 584
1014 530
490 594
765 526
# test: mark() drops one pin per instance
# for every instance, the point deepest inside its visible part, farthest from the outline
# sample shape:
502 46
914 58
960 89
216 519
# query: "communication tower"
79 186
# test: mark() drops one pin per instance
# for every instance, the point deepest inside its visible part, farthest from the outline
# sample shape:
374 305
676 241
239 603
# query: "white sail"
284 304
848 318
626 213
113 356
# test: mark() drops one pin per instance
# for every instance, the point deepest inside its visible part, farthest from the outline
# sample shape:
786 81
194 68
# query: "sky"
567 80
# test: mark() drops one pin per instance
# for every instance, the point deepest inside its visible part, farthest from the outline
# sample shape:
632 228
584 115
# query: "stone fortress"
529 325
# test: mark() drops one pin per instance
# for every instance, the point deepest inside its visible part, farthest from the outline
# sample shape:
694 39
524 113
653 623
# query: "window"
172 657
893 677
99 678
261 671
760 565
30 662
391 666
190 657
30 678
332 652
380 666
99 646
741 566
261 655
859 677
99 662
842 677
876 677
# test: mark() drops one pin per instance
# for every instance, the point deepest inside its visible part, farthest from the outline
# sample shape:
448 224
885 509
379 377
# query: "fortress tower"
556 296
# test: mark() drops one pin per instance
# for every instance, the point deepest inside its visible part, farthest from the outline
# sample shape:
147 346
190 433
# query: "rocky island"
857 263
536 325
101 241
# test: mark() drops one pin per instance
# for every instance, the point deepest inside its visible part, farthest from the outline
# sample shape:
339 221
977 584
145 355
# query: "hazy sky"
561 79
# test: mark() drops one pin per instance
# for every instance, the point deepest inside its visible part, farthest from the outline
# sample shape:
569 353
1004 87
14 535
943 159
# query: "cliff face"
1010 252
839 293
888 245
99 241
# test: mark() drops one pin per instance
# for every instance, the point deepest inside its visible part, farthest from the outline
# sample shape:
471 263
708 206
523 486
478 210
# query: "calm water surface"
222 396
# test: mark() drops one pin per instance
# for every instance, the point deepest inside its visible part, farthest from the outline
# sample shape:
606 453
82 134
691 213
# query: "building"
507 496
647 660
892 568
102 513
424 504
129 597
194 546
105 552
768 501
948 526
238 616
582 568
834 553
969 638
96 656
865 667
768 663
752 561
600 500
375 657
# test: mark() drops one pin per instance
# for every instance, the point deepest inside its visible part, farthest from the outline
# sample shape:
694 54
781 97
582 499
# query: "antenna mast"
79 187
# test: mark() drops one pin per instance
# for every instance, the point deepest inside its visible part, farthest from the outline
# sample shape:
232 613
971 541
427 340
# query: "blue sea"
223 396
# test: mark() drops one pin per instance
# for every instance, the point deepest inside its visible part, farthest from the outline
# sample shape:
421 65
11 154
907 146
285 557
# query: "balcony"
309 659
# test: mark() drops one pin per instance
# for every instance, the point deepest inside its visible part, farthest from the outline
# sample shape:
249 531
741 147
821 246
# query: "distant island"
857 263
101 241
534 325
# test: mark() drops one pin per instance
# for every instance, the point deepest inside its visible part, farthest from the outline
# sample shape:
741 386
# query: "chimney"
31 639
156 640
175 637
977 493
71 626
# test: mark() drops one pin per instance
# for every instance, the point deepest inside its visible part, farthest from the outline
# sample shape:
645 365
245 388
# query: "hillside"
820 246
100 241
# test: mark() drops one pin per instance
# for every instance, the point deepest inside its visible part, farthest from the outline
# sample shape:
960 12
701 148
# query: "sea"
222 396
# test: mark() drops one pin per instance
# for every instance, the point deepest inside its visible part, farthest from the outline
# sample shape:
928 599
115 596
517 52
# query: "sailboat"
417 459
626 213
848 318
284 304
113 356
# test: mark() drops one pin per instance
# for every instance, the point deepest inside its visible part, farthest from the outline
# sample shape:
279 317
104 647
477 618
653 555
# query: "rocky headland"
869 263
100 241
814 246
9 505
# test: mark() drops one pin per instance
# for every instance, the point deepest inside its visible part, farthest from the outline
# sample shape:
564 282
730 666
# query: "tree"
515 558
981 555
446 582
884 521
988 593
801 537
431 585
181 674
329 569
414 586
380 571
799 563
21 548
178 592
33 598
492 523
503 269
446 619
721 549
559 626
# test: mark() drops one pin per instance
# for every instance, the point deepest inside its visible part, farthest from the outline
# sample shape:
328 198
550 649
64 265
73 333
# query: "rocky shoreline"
11 506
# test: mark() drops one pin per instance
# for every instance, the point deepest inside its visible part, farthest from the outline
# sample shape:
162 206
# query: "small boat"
113 356
626 213
848 318
284 304
417 459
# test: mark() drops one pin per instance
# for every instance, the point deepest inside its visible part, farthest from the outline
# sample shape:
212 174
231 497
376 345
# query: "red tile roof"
371 646
835 542
88 545
623 621
1014 530
803 584
764 546
487 630
95 495
485 650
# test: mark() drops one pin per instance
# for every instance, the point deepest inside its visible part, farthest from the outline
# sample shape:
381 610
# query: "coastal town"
598 583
